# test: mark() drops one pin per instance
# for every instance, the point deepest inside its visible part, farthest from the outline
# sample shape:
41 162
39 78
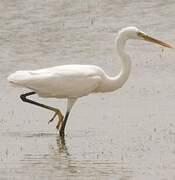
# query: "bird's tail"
19 77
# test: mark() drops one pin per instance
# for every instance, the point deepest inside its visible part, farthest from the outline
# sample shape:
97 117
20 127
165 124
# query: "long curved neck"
118 81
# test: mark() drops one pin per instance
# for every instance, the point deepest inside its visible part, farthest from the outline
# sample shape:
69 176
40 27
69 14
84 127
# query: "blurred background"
128 134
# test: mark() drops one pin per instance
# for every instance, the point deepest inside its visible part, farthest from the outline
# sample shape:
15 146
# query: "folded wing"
60 81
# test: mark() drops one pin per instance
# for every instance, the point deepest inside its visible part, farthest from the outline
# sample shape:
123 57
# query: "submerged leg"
70 103
62 128
57 111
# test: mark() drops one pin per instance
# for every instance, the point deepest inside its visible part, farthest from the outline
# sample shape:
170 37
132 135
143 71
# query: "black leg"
64 124
57 111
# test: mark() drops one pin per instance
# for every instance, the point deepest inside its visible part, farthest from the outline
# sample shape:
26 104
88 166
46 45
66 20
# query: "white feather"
61 81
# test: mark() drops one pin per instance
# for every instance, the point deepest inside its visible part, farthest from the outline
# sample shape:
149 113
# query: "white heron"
74 81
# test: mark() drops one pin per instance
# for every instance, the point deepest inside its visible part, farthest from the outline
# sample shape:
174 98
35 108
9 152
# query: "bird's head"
135 33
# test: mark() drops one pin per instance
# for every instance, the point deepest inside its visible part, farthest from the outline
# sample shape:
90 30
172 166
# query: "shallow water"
129 134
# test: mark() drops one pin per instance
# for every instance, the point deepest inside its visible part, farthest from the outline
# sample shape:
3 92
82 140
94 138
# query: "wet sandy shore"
125 135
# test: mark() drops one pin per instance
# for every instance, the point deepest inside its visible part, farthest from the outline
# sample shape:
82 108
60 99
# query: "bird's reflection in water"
60 158
61 143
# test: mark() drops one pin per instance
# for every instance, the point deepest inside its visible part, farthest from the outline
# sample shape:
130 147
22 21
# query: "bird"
74 81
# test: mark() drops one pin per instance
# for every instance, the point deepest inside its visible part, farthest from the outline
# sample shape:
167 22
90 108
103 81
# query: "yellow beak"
151 39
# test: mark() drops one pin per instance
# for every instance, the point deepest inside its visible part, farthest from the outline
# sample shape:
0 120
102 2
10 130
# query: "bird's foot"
60 118
60 121
52 118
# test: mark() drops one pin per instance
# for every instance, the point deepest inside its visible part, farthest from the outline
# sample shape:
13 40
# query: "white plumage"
68 81
74 81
